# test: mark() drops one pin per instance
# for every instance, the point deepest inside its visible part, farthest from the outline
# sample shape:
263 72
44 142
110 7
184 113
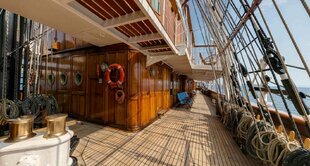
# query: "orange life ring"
121 76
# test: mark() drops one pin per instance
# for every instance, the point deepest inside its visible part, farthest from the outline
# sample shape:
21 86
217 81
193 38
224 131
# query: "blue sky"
299 23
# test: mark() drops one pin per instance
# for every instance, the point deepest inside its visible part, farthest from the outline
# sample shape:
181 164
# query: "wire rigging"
258 137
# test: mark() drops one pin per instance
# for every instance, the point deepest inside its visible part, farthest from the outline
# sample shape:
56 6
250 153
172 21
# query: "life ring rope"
121 77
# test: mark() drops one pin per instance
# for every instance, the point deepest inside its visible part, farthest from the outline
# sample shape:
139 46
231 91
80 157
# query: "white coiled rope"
245 123
279 148
261 143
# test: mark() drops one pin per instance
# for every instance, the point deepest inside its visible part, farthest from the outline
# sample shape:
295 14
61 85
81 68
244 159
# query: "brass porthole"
78 78
63 79
51 78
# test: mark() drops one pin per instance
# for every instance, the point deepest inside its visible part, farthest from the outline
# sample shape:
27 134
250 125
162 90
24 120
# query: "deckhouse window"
156 5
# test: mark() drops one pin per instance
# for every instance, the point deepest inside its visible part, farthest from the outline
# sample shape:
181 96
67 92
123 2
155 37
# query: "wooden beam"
156 47
142 38
123 20
162 53
209 45
152 60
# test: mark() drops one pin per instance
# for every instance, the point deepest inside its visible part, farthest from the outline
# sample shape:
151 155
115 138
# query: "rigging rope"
291 37
305 5
274 69
284 66
262 138
5 103
252 113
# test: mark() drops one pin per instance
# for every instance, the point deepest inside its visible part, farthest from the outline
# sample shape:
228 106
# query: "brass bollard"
292 136
307 143
280 129
20 128
56 125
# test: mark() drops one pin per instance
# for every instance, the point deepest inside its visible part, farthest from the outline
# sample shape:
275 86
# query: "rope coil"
279 148
8 109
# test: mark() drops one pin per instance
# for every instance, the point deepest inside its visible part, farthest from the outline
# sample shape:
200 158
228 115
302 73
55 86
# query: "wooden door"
95 101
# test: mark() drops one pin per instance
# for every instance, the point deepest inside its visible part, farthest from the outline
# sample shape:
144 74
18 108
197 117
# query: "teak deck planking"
180 137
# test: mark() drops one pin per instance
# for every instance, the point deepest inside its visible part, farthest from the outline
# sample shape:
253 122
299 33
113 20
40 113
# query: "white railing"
188 36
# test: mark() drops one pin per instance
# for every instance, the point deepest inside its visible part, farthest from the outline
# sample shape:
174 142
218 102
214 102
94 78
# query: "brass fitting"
56 125
21 128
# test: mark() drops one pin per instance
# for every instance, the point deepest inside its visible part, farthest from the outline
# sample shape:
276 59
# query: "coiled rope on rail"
226 107
39 106
239 114
54 105
261 144
30 107
8 109
245 123
299 157
226 115
231 116
279 148
253 134
44 108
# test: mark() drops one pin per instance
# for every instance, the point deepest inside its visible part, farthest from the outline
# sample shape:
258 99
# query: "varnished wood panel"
159 89
64 67
111 57
134 90
152 105
78 105
94 101
145 93
145 110
64 101
175 87
152 97
51 69
78 66
116 111
166 88
102 106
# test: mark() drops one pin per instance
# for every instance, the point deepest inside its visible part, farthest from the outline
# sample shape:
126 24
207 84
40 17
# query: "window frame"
153 5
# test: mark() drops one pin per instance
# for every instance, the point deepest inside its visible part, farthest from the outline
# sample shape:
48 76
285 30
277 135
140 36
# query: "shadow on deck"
195 137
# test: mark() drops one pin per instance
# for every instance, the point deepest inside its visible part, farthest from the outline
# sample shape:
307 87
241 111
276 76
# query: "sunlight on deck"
195 137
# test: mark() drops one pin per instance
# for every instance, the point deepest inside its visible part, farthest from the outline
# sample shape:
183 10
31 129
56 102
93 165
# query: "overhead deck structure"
133 22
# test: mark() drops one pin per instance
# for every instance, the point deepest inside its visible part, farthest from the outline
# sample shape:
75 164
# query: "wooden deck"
194 137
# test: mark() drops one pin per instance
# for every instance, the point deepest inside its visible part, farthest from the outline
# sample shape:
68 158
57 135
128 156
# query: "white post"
263 97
